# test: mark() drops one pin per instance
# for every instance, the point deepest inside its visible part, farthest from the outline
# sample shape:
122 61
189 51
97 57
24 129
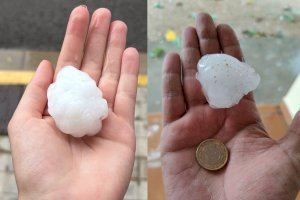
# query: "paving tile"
132 191
11 59
140 128
143 190
137 191
4 159
140 169
142 95
33 58
141 104
143 168
9 98
4 143
9 164
10 185
141 147
2 176
136 170
6 163
9 196
143 63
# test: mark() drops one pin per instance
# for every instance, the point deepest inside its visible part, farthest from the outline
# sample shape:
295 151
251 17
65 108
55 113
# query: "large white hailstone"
76 104
225 80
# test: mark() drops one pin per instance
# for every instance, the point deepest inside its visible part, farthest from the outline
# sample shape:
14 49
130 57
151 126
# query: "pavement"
269 17
36 24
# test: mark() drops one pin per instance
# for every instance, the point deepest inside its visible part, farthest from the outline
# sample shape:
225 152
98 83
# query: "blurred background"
34 24
33 30
269 34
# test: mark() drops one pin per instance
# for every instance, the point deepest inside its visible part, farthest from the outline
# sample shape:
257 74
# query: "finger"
73 45
230 45
112 65
291 141
173 99
127 88
34 99
190 57
96 43
208 38
229 42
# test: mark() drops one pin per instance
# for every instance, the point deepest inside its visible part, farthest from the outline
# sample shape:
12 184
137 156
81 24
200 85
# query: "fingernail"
40 65
84 6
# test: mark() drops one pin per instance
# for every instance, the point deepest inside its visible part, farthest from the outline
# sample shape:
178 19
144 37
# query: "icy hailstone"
76 104
225 80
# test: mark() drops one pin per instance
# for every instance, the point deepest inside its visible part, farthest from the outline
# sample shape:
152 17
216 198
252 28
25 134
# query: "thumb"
291 142
34 99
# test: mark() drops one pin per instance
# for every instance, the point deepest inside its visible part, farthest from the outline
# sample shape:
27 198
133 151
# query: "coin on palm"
212 154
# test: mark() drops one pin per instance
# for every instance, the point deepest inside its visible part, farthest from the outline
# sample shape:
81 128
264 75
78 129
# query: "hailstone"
225 80
76 103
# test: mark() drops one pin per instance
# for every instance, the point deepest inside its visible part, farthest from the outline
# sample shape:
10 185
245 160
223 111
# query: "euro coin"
212 154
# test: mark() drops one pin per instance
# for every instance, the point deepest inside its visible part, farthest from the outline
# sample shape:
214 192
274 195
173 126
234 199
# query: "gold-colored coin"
212 154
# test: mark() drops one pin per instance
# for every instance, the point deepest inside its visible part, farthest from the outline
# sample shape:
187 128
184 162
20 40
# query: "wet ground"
36 24
270 17
270 39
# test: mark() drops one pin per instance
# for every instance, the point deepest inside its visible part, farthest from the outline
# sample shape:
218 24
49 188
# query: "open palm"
52 165
258 167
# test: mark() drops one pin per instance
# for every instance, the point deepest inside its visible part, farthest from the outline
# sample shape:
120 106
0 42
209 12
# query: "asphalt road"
40 24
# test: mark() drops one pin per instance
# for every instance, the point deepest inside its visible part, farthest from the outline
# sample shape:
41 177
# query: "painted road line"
15 77
18 77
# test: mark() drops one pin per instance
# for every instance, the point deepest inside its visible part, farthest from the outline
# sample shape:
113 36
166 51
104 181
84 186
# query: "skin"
259 167
51 165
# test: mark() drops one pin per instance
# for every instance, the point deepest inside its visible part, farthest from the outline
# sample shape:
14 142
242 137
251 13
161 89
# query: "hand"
51 165
259 167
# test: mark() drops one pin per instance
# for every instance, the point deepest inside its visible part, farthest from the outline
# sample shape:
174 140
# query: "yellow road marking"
18 77
15 77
